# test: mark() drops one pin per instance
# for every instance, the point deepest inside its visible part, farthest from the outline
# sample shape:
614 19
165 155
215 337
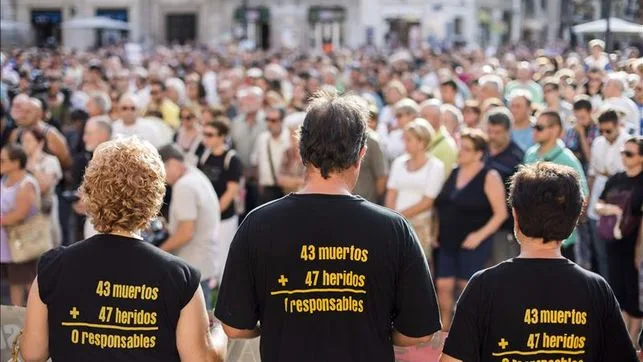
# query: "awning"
97 22
616 26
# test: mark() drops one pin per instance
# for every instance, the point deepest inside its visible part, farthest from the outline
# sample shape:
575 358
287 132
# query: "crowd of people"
447 130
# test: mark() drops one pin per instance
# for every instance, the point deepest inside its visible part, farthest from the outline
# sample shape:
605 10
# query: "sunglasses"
128 108
627 154
539 127
273 120
605 131
209 135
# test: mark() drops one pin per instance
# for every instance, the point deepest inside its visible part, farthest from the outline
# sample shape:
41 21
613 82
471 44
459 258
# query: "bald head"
19 109
97 131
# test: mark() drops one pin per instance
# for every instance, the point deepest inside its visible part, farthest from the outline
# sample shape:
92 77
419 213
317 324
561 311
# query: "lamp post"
608 31
244 19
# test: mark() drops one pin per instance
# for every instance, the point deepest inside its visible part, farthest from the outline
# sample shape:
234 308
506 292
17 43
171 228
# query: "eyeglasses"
210 135
273 120
627 154
539 127
126 108
605 131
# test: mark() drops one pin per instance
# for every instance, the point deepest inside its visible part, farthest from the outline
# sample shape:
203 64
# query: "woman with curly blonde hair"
113 297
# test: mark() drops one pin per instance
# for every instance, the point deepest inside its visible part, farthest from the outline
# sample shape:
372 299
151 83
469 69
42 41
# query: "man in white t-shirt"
131 125
268 154
613 92
194 216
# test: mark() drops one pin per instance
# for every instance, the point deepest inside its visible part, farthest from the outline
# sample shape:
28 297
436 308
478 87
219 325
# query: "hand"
473 240
613 210
579 129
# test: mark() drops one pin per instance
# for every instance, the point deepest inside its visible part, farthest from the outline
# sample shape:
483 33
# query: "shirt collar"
559 145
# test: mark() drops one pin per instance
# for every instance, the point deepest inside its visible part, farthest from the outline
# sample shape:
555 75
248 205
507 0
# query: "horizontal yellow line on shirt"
529 353
108 326
319 290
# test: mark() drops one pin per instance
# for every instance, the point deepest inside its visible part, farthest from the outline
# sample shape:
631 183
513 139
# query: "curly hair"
124 185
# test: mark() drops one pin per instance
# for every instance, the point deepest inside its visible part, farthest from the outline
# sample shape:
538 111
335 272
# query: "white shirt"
411 186
605 162
601 62
260 157
141 128
395 146
632 117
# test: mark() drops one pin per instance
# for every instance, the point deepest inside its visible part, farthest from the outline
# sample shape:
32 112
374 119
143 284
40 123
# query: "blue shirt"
524 138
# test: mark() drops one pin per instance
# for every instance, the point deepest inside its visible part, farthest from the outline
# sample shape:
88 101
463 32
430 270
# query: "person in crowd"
160 102
452 120
96 132
385 258
448 92
615 98
189 137
622 200
292 170
504 156
491 86
605 162
521 130
98 104
131 125
74 282
471 114
554 102
594 86
27 113
224 169
57 100
244 132
597 58
550 148
442 145
193 216
493 319
195 92
415 181
20 201
471 208
580 136
268 154
406 110
394 91
226 99
46 169
371 183
524 81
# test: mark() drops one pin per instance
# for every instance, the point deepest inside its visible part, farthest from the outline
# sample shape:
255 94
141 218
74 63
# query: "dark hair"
159 83
171 152
553 117
637 140
16 152
79 115
221 124
334 132
477 137
215 111
609 115
547 199
281 110
499 118
450 83
583 103
36 133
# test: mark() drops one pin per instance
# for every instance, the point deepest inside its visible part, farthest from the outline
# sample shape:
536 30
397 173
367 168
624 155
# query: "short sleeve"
463 341
49 270
237 304
235 170
416 312
191 278
185 202
392 178
52 167
436 179
608 187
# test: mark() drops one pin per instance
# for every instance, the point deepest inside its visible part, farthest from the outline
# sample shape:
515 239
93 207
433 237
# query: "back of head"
547 199
334 132
124 185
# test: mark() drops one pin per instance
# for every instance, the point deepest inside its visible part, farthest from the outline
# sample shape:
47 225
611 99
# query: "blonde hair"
421 129
124 185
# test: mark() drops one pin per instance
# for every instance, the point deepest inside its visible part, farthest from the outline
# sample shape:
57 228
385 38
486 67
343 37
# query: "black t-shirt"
622 182
113 298
538 310
328 277
214 169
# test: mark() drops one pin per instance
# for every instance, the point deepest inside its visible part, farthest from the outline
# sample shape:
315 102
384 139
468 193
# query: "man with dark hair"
579 137
550 148
329 275
448 91
504 156
268 153
606 161
193 216
563 311
159 102
520 106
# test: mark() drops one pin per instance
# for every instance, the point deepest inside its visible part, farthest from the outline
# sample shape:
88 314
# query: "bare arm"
404 341
495 191
391 198
228 196
380 186
236 333
34 344
194 341
24 202
183 235
424 205
605 209
58 147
